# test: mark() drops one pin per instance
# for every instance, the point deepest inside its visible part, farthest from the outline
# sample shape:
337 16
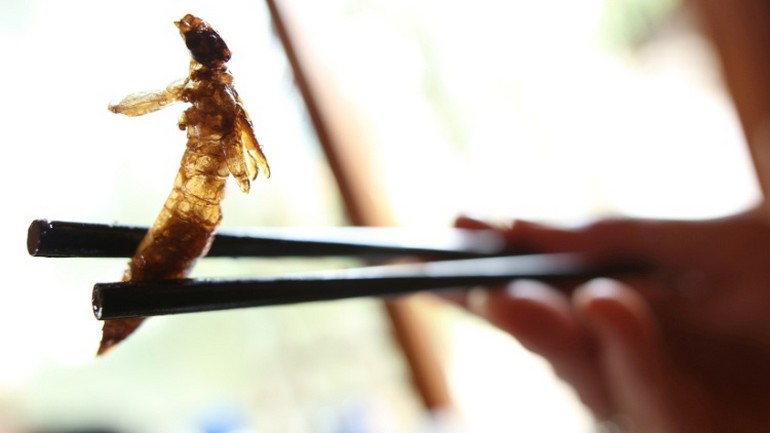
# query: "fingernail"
595 295
527 289
600 288
477 300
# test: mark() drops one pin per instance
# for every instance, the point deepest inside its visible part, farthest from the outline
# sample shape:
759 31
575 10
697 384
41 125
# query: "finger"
639 379
541 319
663 241
602 236
602 239
634 237
472 223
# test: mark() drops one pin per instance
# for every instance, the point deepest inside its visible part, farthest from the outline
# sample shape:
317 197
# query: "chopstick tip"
35 234
96 303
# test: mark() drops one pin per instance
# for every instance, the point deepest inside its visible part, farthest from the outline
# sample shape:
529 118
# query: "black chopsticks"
131 299
463 258
75 239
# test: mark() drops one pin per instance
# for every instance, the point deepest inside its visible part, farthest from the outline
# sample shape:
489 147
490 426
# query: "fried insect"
220 141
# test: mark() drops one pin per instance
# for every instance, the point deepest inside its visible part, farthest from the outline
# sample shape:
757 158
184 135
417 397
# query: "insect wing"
141 103
254 158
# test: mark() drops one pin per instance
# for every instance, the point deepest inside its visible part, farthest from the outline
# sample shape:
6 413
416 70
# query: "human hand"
686 349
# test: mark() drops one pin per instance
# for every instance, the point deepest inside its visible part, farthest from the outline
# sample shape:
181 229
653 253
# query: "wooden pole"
345 144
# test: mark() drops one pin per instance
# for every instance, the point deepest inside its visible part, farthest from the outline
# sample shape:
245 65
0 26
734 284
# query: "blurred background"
557 110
